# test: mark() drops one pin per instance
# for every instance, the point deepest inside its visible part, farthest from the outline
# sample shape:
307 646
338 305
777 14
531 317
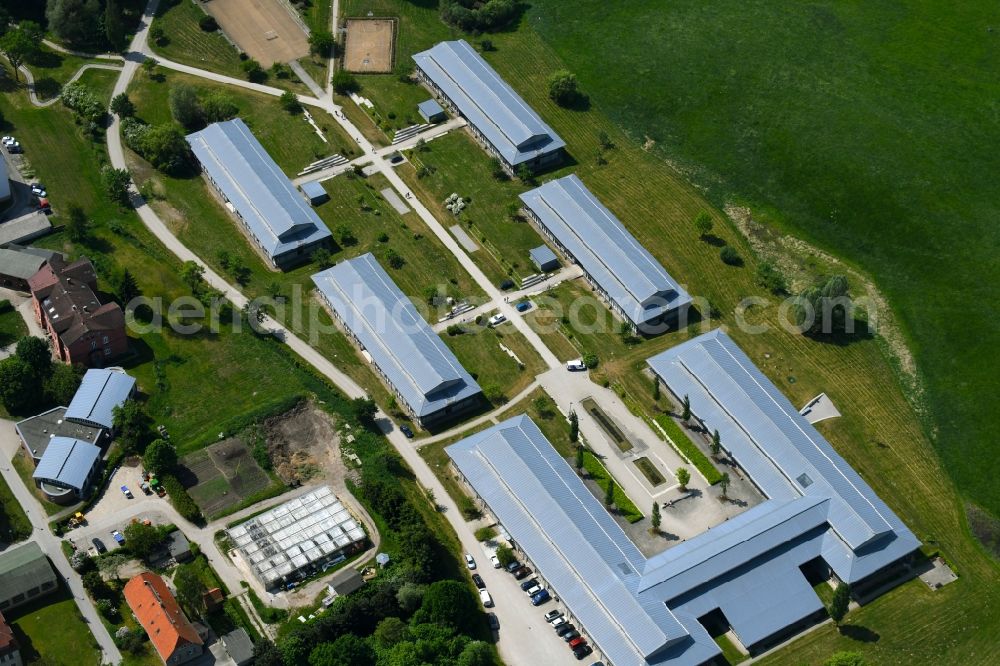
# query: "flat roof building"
67 469
254 189
431 111
753 571
36 432
498 117
315 192
25 228
416 364
99 393
544 258
622 271
25 574
297 538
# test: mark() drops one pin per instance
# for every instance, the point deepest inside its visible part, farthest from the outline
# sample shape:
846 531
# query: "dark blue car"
540 598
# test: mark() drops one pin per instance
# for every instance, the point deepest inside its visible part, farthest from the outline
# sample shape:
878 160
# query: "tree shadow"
579 102
713 240
843 338
45 59
46 88
859 633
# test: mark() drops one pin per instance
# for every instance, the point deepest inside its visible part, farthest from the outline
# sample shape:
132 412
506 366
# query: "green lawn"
52 70
12 326
844 124
289 139
479 352
25 468
14 524
101 81
879 434
598 473
51 630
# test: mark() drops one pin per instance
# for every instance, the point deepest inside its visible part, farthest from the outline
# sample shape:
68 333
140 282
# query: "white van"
575 365
485 597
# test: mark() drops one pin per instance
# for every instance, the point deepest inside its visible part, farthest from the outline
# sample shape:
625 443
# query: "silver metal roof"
542 255
573 541
403 347
100 392
293 535
263 196
604 248
487 102
20 264
314 189
67 461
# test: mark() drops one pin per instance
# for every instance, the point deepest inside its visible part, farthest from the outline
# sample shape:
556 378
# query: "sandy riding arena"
267 30
369 48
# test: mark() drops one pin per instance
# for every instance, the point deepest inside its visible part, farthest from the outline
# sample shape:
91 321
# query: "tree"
18 387
591 360
322 43
564 89
110 564
255 73
266 654
142 539
703 223
95 585
574 427
347 650
495 394
184 105
17 46
114 26
36 354
364 410
394 259
126 287
840 602
116 182
289 102
76 22
655 517
476 653
189 587
525 174
505 555
160 456
217 106
123 106
165 148
192 274
824 308
389 632
322 258
730 256
344 83
716 445
409 596
683 477
770 277
686 409
724 484
61 384
496 168
448 603
345 236
131 425
487 45
845 659
656 388
579 458
609 492
208 23
77 224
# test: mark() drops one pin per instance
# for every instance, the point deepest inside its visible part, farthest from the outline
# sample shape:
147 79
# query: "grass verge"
680 441
600 475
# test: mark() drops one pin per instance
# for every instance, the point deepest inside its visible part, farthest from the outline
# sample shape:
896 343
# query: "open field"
264 29
842 124
101 81
221 476
879 434
12 327
368 48
51 630
479 352
14 524
52 70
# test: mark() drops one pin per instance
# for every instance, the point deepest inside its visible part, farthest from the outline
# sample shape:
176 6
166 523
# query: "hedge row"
688 449
180 499
600 474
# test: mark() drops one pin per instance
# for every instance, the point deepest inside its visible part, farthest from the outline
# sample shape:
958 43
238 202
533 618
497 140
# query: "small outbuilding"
431 111
315 192
544 259
178 546
239 646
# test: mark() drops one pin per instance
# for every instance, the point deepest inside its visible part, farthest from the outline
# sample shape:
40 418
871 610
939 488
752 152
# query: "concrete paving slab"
390 195
463 238
819 409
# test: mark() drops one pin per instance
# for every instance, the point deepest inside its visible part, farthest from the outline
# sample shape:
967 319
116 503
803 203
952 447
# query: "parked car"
565 629
39 190
118 537
523 306
576 365
528 584
126 492
521 572
494 621
7 140
513 566
485 597
568 636
553 614
496 561
497 319
405 429
470 561
14 148
99 545
478 580
577 642
559 621
534 589
540 598
43 205
583 651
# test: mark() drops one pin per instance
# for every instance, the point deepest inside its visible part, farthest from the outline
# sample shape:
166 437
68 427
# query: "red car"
577 642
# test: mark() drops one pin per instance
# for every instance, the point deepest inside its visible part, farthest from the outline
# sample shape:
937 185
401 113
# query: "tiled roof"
160 615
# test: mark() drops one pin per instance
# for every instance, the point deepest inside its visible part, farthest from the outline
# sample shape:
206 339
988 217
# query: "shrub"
769 277
455 329
344 83
600 474
255 73
688 449
730 256
208 23
289 102
218 106
485 533
590 360
180 499
82 101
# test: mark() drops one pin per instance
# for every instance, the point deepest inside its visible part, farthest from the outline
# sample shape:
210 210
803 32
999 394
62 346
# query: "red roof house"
10 651
81 328
156 609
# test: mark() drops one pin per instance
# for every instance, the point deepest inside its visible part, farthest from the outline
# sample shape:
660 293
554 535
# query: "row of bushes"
688 449
595 468
180 499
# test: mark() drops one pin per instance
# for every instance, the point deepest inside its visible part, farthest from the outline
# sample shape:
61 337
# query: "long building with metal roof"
633 282
276 218
423 373
753 573
498 117
100 392
67 465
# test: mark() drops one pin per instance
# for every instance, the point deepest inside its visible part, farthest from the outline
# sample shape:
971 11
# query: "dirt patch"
369 47
985 527
267 30
222 475
303 445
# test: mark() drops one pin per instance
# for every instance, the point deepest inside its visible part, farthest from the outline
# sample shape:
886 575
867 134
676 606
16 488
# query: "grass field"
479 352
843 124
33 627
12 327
14 524
52 70
879 434
101 81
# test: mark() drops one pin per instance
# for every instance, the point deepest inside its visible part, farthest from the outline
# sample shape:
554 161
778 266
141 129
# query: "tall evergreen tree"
609 493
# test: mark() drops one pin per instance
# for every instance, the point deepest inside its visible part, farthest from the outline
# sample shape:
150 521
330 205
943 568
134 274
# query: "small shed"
178 546
314 192
239 646
431 111
544 258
